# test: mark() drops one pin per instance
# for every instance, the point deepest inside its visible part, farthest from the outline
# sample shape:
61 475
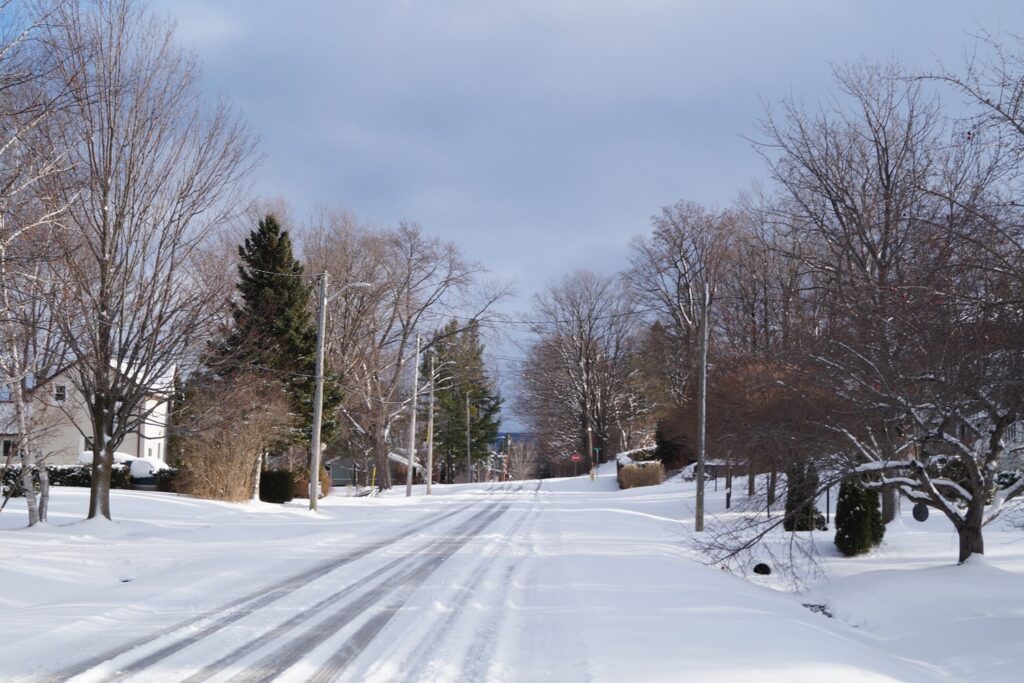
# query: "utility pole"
412 419
590 448
430 427
469 455
702 396
318 396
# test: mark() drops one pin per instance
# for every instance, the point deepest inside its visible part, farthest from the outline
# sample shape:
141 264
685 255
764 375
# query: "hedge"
66 475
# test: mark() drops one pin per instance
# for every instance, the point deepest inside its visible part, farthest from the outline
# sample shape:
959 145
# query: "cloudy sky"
540 135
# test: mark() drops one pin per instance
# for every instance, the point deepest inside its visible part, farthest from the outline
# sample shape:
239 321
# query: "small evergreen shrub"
166 480
276 486
859 525
646 474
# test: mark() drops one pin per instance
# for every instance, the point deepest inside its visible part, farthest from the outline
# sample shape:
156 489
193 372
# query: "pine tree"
859 524
273 329
460 373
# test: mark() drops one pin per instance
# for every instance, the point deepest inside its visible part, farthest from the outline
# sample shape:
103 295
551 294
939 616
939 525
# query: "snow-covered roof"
402 460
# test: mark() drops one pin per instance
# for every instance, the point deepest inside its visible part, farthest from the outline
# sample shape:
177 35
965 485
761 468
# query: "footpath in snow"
560 580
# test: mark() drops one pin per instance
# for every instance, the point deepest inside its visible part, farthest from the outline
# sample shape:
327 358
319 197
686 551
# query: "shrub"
276 486
301 478
224 428
166 480
66 475
121 477
641 474
859 524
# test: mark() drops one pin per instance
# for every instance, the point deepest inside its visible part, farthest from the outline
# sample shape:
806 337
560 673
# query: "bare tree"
31 353
580 383
154 171
522 460
669 270
918 335
416 282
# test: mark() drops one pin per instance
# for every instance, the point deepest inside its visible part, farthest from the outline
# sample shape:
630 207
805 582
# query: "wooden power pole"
702 401
412 419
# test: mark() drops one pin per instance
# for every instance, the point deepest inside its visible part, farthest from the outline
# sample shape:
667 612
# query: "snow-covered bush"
65 475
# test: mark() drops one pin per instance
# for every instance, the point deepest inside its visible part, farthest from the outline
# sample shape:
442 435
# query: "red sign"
575 457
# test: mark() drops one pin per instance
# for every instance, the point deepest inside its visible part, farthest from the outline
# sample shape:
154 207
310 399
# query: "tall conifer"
274 332
460 373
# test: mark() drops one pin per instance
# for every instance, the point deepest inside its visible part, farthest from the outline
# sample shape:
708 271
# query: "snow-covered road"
562 580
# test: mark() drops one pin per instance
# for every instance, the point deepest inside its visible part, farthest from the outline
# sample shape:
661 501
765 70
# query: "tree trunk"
728 485
890 504
257 473
29 490
383 464
26 455
773 483
971 541
102 468
970 533
751 479
44 493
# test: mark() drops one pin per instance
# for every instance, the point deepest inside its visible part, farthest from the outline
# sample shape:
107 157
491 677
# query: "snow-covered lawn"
569 581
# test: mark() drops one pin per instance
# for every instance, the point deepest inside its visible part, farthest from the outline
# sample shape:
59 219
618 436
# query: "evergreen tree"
273 329
460 374
859 524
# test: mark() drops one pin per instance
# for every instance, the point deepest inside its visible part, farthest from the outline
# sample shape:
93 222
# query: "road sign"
575 457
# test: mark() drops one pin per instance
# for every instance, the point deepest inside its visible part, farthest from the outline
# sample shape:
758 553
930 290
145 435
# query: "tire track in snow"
439 631
474 664
281 630
402 585
233 611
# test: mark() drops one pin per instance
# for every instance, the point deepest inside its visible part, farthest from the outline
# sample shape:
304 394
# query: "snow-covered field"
565 580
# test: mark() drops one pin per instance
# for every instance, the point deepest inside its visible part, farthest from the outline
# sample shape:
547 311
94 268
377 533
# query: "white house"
62 429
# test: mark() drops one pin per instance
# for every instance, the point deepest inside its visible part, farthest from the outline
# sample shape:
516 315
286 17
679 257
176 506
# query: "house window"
60 392
8 445
5 393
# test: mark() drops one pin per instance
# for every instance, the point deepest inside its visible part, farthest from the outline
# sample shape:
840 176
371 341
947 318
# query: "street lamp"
318 394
